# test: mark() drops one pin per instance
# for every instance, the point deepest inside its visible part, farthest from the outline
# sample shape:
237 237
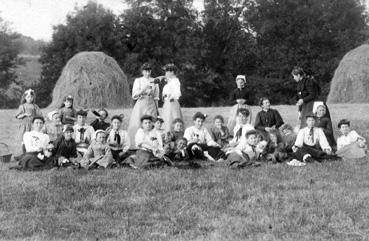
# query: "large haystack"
94 80
350 83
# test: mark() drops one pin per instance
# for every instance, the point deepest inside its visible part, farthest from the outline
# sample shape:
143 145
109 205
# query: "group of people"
152 140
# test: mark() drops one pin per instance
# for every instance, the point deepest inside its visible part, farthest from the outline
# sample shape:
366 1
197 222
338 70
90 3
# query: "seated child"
99 123
246 154
158 127
219 132
200 143
54 128
350 145
118 139
267 119
181 153
324 122
172 136
242 126
288 137
65 148
67 112
275 151
311 143
83 133
98 153
150 151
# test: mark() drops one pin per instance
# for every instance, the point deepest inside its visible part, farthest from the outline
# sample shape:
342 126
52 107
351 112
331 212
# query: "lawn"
327 201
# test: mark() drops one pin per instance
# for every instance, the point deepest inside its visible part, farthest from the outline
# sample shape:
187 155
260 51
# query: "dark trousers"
214 152
314 151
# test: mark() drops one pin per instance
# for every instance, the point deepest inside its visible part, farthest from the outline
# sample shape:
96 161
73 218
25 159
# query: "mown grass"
325 201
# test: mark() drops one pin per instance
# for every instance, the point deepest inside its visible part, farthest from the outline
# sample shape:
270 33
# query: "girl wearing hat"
308 92
240 96
65 147
146 93
171 94
118 139
54 128
67 113
26 111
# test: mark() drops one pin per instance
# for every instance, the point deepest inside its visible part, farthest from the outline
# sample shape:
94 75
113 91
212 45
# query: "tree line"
263 39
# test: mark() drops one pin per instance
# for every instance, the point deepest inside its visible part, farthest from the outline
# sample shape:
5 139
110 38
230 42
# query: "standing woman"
146 94
308 91
171 94
240 96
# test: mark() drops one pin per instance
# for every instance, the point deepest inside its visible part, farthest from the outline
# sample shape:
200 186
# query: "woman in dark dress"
307 93
325 123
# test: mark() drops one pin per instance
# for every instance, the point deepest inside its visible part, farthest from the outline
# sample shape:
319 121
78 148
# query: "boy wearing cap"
311 143
65 147
118 139
350 145
200 142
83 133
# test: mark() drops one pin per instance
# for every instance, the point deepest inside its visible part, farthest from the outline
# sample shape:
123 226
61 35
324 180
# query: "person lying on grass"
65 148
118 139
150 152
83 133
350 145
246 155
200 143
311 144
98 153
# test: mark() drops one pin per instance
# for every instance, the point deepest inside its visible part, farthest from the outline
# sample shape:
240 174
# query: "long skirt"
171 111
306 109
103 161
144 106
352 151
30 162
232 120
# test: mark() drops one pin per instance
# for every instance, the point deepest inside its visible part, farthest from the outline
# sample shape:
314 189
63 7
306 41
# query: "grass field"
327 201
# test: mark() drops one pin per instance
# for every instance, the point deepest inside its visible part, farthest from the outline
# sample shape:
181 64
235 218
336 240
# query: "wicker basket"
6 157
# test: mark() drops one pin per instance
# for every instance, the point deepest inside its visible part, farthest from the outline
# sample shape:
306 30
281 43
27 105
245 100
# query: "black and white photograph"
198 120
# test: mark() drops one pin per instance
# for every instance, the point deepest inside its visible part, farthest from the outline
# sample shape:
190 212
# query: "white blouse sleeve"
136 89
188 135
323 140
126 141
139 138
300 138
208 139
172 89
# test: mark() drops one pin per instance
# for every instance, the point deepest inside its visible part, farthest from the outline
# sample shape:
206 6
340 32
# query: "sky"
35 18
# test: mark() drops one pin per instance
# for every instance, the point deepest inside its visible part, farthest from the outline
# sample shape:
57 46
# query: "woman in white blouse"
171 94
146 94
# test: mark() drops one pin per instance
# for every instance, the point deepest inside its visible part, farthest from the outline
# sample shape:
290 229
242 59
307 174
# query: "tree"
9 50
91 28
314 34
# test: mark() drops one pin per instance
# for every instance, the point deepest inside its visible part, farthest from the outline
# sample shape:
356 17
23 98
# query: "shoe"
296 163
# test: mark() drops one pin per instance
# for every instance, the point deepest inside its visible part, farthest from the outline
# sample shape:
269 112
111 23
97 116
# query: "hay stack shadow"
95 80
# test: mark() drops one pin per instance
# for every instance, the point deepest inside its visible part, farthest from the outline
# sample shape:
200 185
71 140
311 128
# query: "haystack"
94 80
350 83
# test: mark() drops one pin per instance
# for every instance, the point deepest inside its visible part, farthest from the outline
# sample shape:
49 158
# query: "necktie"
311 135
239 133
82 134
117 138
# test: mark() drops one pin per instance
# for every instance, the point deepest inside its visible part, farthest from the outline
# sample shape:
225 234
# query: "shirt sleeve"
89 153
188 135
339 143
209 140
139 138
156 92
311 90
323 140
126 142
19 111
278 118
258 124
38 110
300 138
136 90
